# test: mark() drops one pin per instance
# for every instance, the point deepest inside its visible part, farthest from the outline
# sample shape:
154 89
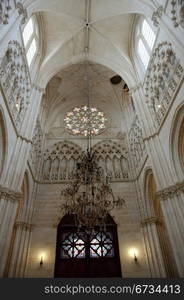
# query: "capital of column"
23 225
7 194
150 220
171 191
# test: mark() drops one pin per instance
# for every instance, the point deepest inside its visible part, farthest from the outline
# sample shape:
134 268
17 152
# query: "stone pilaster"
20 245
153 249
172 202
9 204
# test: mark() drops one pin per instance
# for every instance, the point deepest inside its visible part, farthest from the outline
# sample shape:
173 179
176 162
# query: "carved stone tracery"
60 161
162 80
157 15
36 150
137 145
7 7
112 157
177 12
15 81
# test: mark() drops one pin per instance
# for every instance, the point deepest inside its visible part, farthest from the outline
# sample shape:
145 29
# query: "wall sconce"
135 257
134 253
41 261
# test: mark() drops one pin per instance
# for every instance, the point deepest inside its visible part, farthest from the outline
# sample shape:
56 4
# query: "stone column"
20 244
153 248
9 204
172 203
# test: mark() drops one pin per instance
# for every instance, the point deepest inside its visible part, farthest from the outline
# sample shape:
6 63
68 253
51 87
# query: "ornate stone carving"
60 161
171 191
15 81
23 225
162 80
7 194
5 7
156 17
36 150
150 220
177 12
137 145
112 157
21 11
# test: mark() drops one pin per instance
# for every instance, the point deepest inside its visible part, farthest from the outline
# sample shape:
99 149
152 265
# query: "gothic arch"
177 142
59 161
3 142
114 157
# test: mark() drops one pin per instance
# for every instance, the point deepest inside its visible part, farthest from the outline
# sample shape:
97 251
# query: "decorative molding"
162 81
7 194
15 81
60 161
113 159
157 15
171 191
177 12
150 220
24 225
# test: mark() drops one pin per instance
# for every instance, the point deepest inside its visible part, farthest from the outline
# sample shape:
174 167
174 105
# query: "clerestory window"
146 39
31 39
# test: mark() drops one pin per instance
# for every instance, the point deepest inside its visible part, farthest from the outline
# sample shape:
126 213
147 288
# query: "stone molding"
7 194
23 225
150 220
171 191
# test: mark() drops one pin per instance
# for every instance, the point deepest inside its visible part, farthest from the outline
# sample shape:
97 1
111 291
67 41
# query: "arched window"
87 254
31 39
145 39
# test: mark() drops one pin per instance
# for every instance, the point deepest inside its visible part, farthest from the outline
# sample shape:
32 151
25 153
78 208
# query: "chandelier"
90 197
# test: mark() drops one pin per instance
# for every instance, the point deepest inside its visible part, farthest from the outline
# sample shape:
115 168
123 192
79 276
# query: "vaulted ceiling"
70 88
98 32
103 27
